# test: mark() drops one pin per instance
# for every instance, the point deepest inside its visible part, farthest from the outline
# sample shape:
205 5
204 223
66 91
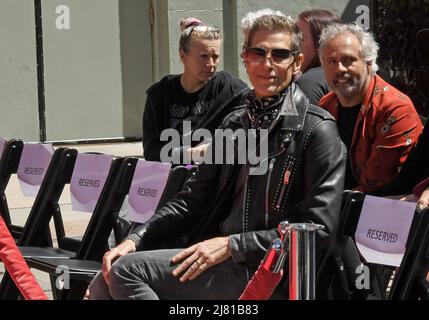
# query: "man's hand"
424 200
111 256
197 153
200 257
409 198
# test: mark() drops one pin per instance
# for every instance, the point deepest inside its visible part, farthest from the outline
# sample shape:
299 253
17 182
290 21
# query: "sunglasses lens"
259 55
280 55
256 54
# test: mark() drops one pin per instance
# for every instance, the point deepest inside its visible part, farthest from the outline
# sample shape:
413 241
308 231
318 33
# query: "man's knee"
98 289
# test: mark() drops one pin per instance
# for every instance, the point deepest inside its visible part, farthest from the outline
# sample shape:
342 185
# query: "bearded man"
376 122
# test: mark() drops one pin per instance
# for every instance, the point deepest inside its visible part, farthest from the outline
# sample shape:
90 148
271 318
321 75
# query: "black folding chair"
410 281
332 282
44 208
82 267
9 162
87 262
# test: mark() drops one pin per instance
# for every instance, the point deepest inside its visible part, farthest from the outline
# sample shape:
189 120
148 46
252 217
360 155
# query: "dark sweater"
222 93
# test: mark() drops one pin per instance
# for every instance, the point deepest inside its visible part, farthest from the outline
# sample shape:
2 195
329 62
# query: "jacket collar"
294 109
292 113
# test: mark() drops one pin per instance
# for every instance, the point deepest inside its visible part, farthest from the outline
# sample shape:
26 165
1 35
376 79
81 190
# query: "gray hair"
248 19
366 39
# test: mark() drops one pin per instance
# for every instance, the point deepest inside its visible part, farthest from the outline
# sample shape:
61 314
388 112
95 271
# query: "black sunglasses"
278 56
201 29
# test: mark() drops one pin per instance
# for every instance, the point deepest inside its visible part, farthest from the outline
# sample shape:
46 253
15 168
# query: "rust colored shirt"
386 129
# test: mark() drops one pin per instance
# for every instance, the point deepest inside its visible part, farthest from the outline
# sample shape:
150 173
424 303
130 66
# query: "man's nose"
341 67
268 60
211 62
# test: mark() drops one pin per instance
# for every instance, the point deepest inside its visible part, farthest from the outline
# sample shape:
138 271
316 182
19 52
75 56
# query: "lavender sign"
88 179
35 159
383 229
149 181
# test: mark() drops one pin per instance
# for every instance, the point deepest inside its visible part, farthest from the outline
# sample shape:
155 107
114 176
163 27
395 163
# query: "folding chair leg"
8 290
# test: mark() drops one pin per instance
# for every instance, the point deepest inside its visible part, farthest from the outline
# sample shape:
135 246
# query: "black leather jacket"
313 193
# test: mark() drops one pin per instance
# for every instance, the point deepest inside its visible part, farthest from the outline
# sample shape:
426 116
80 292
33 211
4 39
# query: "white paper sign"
149 181
383 229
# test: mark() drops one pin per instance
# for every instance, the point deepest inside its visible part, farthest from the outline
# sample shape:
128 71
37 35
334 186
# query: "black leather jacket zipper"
267 191
286 180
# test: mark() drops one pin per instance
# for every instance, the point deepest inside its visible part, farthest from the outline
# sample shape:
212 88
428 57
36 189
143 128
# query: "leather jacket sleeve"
323 180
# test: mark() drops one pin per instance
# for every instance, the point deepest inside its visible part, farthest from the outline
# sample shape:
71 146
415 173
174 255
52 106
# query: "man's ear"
369 67
298 63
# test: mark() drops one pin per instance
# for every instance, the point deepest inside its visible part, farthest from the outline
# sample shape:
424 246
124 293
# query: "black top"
346 124
168 105
188 106
313 84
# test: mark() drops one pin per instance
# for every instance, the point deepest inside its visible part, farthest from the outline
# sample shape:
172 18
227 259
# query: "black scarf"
262 112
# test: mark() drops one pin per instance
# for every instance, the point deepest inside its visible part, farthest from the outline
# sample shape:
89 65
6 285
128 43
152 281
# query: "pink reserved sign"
89 176
147 186
34 162
383 228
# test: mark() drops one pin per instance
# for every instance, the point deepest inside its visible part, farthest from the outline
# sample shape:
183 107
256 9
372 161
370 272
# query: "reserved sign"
149 181
34 163
383 228
89 176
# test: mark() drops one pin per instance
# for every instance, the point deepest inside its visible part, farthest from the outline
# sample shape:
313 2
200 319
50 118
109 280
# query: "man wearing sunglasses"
226 217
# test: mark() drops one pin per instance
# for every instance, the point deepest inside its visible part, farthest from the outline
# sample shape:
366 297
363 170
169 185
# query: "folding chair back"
36 229
410 279
331 280
9 162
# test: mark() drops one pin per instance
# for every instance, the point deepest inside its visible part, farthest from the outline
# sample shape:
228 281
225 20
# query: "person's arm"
323 179
397 133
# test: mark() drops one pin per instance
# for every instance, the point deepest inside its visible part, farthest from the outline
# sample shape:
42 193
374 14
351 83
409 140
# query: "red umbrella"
17 267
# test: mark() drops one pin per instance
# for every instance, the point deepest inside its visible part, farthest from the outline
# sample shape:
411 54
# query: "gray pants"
146 275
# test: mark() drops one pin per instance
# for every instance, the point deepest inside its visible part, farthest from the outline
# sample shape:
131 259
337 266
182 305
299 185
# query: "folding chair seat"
410 279
45 207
